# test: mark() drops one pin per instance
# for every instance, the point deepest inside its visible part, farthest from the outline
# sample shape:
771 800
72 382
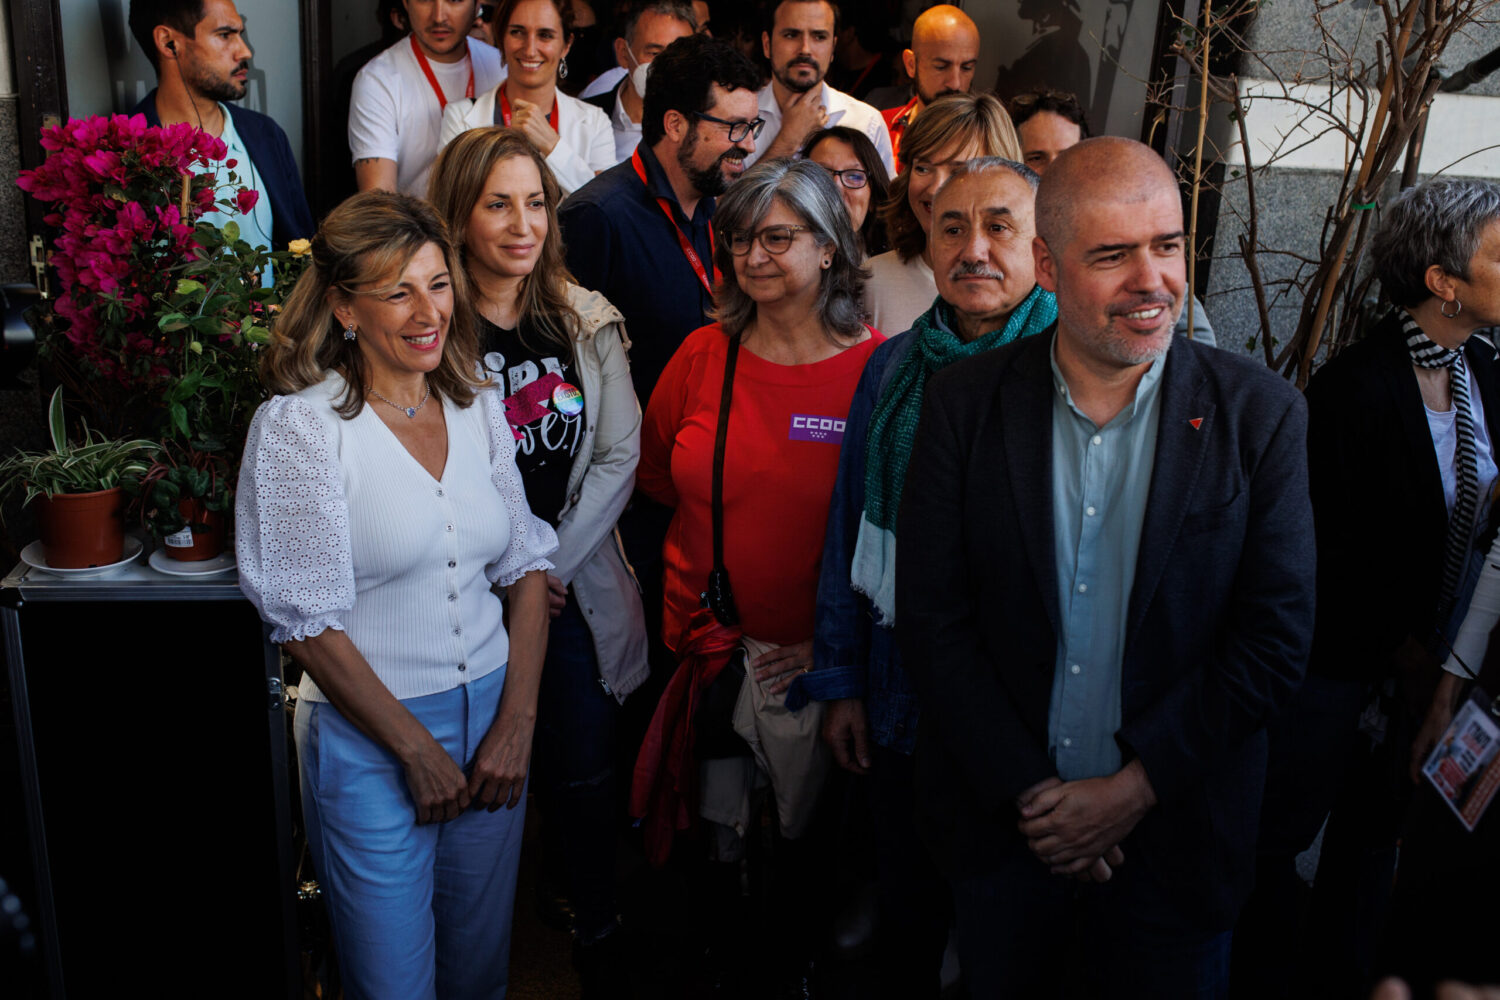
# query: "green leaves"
98 463
56 426
196 472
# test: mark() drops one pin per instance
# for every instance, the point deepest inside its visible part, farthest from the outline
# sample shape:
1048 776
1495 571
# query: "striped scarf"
893 426
1426 354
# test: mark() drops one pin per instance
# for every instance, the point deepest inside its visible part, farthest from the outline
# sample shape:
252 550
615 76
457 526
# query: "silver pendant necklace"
410 411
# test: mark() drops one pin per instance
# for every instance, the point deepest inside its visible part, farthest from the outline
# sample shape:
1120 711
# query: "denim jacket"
852 656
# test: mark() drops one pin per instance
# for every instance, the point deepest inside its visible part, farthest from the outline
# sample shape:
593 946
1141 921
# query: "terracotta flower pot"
82 529
188 545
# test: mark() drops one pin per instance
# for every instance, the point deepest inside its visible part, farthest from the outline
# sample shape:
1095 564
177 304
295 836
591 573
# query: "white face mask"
638 75
638 78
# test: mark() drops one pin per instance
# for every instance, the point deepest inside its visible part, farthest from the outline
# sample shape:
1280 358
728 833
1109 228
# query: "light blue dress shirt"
1100 480
256 226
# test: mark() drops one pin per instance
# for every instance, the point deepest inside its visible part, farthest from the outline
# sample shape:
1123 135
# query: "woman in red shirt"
790 340
788 295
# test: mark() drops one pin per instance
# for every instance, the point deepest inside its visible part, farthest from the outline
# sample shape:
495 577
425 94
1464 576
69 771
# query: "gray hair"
1438 222
808 190
988 165
680 9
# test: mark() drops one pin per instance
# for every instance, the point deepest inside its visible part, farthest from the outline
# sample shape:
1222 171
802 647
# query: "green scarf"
893 426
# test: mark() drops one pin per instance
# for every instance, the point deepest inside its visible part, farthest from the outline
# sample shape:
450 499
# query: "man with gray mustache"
1106 579
981 260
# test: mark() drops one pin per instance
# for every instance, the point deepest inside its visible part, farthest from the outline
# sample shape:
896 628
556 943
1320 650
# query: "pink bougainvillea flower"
113 189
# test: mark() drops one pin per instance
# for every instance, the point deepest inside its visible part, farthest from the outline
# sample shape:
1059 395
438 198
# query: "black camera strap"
719 598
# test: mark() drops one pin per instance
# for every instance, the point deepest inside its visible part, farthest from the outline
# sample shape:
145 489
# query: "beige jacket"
589 555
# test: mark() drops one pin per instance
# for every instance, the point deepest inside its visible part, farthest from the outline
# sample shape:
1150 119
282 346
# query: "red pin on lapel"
1197 422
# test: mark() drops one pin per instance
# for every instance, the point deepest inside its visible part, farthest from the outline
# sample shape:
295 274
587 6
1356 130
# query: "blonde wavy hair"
361 247
952 120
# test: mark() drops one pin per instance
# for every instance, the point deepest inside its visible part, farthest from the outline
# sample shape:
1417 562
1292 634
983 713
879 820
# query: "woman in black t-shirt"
557 355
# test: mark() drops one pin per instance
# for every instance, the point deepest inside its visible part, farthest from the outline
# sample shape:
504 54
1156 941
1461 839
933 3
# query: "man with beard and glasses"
944 51
202 60
640 234
797 102
396 111
1105 583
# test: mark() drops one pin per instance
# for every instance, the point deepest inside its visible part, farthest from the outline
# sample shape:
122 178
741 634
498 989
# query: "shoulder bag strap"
719 598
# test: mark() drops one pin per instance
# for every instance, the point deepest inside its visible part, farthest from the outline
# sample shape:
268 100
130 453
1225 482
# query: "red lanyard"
432 79
682 240
505 110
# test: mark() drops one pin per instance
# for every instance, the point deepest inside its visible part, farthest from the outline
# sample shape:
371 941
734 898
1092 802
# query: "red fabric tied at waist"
664 789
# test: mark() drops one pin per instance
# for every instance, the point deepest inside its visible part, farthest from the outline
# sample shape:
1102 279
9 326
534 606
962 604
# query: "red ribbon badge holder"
687 248
432 77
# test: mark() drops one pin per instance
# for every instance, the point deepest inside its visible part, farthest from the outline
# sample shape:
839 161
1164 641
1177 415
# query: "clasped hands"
440 789
1075 827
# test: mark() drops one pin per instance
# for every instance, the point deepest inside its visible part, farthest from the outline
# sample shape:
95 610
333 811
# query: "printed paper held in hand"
1464 767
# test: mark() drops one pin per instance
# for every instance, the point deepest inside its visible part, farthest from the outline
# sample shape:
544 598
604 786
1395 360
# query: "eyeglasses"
851 179
487 12
773 239
738 131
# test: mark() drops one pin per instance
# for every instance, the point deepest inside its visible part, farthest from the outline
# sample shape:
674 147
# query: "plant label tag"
180 539
1464 767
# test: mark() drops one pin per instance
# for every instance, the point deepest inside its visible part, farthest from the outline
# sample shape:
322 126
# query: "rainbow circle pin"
567 399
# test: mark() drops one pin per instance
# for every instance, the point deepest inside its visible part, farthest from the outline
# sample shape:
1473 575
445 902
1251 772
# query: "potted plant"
77 490
185 498
160 312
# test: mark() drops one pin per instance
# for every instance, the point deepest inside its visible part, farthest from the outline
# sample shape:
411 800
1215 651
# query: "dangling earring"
562 68
350 332
1454 314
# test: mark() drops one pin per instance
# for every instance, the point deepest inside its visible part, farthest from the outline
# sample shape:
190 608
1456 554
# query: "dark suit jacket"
290 217
1378 502
1219 622
606 101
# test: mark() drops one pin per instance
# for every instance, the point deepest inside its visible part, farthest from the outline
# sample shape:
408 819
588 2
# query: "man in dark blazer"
1104 592
201 59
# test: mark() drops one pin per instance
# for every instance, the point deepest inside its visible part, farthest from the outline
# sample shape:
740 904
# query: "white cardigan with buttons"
338 526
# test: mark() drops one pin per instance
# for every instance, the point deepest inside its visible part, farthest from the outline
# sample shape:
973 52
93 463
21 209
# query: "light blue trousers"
418 912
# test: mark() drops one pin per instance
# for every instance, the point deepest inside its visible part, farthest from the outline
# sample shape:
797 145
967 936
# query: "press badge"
1464 767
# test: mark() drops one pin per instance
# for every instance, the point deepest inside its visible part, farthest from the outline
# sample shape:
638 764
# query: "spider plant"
97 463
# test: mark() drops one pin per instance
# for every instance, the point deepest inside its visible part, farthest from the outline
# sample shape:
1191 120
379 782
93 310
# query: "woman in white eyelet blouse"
378 502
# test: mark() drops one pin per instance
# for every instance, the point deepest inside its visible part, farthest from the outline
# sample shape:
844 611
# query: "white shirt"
395 115
338 526
585 145
255 227
842 110
606 81
897 293
1444 429
627 132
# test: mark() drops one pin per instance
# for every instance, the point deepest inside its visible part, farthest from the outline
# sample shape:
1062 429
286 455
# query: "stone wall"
1294 198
